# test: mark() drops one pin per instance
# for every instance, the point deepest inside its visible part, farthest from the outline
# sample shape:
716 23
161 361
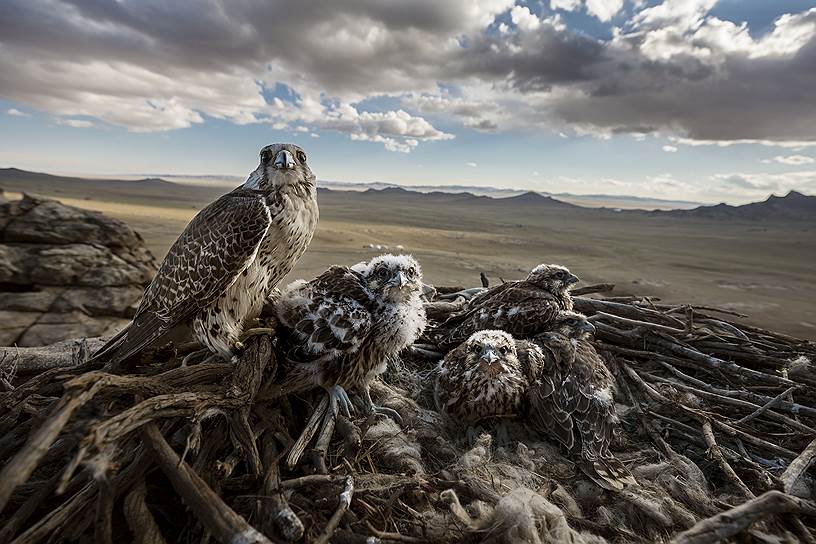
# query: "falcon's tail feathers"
111 346
609 473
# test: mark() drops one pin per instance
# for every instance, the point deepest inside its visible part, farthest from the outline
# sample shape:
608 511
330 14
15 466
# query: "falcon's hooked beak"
399 280
587 327
489 355
572 278
284 161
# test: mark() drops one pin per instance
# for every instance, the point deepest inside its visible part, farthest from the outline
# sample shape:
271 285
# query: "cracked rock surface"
66 272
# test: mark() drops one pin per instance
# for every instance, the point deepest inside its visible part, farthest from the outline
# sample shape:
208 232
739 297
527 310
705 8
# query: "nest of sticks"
718 422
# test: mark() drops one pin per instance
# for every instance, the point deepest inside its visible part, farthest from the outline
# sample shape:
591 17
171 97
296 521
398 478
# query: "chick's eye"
301 156
503 350
266 156
382 272
571 321
559 275
412 271
475 348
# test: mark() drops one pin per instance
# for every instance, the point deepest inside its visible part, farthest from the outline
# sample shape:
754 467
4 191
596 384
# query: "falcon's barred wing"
566 398
546 410
217 245
489 294
598 421
450 392
329 314
521 310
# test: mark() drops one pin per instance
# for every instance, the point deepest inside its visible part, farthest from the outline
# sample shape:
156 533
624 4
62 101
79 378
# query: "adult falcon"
522 308
218 273
573 402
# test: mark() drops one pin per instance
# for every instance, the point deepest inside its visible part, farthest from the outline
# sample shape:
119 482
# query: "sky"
700 100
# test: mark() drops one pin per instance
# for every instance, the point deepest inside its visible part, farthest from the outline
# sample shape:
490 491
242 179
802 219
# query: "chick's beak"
399 280
573 279
588 327
284 161
488 355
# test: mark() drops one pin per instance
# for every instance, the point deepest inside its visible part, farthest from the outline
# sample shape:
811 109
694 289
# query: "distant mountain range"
591 201
794 206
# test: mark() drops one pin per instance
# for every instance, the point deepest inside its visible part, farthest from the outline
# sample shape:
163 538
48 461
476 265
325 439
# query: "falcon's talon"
338 399
193 355
388 412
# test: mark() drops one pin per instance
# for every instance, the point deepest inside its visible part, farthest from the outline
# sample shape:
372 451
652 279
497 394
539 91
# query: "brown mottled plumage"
219 271
486 378
522 308
342 328
575 392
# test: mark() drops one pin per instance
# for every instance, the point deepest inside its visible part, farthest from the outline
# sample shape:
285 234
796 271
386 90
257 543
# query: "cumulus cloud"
669 149
604 10
524 18
671 67
14 112
75 123
154 66
472 164
567 5
762 183
794 160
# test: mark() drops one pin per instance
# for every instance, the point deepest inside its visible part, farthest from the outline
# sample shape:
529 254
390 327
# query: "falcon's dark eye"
382 272
412 271
266 156
475 348
503 350
301 156
571 321
560 275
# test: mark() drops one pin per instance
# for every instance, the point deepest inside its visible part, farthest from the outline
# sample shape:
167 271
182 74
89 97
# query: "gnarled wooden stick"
798 467
273 510
342 507
716 452
738 519
221 520
139 518
23 464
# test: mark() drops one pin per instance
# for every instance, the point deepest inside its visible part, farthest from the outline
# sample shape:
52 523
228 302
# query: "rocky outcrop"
66 272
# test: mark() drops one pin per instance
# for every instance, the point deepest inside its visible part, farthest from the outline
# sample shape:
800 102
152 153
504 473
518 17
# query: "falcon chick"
521 308
341 329
219 271
575 392
555 384
486 379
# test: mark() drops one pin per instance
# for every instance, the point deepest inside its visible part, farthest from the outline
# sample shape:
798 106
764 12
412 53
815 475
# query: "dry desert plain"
764 268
